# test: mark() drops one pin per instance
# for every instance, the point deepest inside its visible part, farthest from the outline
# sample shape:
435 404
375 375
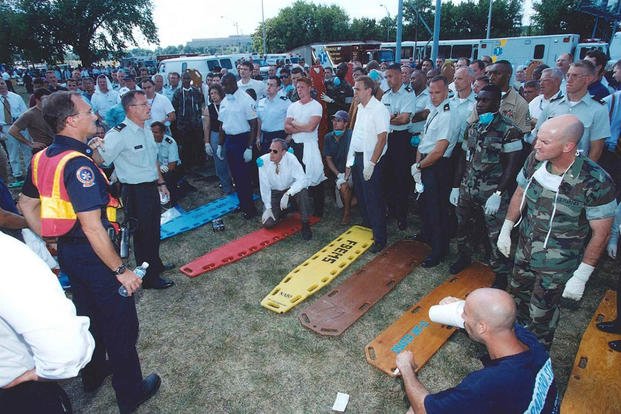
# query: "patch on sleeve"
85 175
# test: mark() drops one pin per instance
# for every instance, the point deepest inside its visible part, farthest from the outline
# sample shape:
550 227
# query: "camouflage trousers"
470 216
537 287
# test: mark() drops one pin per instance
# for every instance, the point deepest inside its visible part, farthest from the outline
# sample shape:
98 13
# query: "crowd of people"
526 165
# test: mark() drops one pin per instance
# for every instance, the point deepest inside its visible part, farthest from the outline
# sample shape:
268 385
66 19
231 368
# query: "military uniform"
398 158
272 113
483 149
436 179
514 107
553 233
133 151
591 112
167 152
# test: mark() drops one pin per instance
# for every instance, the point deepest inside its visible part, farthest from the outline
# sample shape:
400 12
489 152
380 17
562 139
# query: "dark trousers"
611 162
434 206
397 178
172 179
142 207
301 199
35 397
370 198
235 146
316 192
267 137
192 151
114 322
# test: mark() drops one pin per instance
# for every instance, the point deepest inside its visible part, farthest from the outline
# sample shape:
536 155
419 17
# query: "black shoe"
376 248
307 234
92 382
159 283
500 282
431 261
615 345
418 237
168 266
402 224
612 327
460 264
150 385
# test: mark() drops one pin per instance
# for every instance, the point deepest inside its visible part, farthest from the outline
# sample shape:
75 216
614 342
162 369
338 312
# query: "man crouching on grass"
517 374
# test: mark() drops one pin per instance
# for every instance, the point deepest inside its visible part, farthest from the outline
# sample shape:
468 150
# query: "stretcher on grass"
338 309
414 330
595 382
244 246
319 270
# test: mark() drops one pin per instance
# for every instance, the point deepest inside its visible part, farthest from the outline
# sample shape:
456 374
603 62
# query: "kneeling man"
280 177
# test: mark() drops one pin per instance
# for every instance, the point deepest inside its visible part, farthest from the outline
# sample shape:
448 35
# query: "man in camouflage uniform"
492 147
562 198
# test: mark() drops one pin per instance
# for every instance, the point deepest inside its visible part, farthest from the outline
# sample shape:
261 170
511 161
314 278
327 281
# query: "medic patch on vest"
85 176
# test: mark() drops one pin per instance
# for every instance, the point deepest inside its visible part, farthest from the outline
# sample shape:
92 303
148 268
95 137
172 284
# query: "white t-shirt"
258 86
160 108
302 113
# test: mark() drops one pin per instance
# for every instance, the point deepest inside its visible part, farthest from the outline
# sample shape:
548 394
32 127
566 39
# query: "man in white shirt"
302 122
161 108
246 82
12 106
104 97
42 338
280 177
364 159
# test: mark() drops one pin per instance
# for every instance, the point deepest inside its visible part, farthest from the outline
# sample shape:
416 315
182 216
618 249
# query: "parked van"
204 64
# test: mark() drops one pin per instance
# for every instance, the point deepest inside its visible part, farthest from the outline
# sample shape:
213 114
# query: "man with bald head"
517 374
563 206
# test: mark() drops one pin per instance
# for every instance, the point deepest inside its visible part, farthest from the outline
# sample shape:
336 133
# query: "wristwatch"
120 270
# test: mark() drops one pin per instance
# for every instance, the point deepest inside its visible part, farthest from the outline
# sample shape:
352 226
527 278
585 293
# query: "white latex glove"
219 152
326 98
612 249
266 215
340 180
574 288
208 149
415 171
454 197
368 171
163 168
504 238
420 188
492 204
284 201
248 155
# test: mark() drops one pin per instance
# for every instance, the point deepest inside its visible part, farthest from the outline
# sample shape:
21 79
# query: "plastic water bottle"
140 271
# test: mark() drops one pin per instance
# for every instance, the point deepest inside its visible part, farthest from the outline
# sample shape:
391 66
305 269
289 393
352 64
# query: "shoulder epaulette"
601 101
284 98
168 140
447 107
408 89
560 96
387 90
120 127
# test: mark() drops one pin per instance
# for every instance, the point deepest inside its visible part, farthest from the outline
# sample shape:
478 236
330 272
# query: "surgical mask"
338 133
547 180
336 81
486 118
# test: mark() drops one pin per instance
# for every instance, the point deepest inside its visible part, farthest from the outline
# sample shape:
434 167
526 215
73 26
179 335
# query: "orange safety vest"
57 214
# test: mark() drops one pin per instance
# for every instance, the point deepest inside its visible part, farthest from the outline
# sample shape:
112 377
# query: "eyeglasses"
274 151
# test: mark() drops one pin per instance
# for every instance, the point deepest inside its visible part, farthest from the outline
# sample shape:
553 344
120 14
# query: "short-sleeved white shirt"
302 113
235 112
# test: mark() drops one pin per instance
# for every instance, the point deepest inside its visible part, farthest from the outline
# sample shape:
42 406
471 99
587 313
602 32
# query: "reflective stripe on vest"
57 214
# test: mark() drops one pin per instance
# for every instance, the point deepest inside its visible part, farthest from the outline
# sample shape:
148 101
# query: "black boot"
307 234
460 264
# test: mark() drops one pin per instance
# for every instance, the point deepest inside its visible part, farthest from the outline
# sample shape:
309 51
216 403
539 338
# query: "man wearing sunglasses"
281 177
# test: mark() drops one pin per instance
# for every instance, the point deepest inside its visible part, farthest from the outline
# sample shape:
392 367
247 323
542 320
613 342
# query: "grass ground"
218 351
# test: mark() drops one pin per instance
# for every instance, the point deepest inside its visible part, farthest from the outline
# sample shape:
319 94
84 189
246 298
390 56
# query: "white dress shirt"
290 176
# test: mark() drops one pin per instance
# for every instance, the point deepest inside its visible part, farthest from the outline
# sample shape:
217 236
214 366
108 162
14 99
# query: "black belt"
147 184
237 135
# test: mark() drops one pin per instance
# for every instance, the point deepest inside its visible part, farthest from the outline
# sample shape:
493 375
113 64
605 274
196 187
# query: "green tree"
562 16
366 29
303 23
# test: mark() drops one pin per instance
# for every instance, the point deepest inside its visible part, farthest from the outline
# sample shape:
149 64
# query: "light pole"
387 23
489 19
263 26
236 31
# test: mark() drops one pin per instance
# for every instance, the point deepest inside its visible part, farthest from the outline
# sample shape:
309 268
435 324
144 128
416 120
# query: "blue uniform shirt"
86 187
521 383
